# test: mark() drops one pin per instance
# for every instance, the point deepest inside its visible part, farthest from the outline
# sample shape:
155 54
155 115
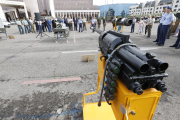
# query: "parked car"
157 19
13 22
6 24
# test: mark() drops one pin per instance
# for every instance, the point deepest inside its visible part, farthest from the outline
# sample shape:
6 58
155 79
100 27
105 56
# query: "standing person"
170 30
37 26
53 23
32 25
49 23
61 20
93 23
104 23
163 17
43 26
84 24
75 24
46 25
119 28
166 25
141 23
80 24
177 43
133 25
70 24
66 21
25 23
29 25
99 22
149 25
21 30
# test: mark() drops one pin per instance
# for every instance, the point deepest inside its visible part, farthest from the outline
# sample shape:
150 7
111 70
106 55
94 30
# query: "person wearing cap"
177 43
29 25
133 25
19 24
166 25
93 23
160 25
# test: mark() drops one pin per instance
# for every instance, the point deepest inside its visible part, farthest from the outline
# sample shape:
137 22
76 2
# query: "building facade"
118 9
54 8
154 7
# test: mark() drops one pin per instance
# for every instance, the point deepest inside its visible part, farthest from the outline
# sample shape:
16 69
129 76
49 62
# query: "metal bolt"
133 113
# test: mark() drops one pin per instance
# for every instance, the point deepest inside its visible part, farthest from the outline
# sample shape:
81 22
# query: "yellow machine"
127 105
116 29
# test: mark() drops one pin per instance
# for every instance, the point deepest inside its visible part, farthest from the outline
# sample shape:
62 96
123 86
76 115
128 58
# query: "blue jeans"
26 29
158 32
49 27
80 27
40 28
93 26
163 34
132 27
21 30
119 28
29 28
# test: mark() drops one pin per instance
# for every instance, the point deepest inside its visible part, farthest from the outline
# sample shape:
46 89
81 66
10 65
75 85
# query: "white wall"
33 6
2 15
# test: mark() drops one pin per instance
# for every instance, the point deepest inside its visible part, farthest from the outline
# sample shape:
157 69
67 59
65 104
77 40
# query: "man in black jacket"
104 23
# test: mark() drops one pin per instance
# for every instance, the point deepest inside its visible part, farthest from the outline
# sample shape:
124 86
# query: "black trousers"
45 27
146 28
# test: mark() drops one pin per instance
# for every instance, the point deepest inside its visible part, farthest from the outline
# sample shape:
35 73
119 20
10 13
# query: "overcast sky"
102 2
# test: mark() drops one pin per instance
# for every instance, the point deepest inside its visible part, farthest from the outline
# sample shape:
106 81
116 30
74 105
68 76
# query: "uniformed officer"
49 23
166 25
160 25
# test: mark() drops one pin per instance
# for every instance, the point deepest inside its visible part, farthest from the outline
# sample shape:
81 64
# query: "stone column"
33 6
51 3
2 15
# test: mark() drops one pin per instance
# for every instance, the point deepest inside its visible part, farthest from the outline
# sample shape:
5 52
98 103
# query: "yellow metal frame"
116 29
143 105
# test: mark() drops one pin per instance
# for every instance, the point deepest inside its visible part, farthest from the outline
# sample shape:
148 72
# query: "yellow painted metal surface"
91 111
143 105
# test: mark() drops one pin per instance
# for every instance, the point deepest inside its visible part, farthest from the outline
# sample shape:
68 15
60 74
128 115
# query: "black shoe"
148 36
131 32
178 47
160 45
155 41
173 46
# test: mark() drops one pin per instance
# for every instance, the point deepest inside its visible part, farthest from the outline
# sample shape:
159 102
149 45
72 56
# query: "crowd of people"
47 24
164 30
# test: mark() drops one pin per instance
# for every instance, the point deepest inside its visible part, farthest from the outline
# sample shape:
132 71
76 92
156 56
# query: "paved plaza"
27 59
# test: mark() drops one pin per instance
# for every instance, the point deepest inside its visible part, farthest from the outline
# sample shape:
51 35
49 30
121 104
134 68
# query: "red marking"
51 81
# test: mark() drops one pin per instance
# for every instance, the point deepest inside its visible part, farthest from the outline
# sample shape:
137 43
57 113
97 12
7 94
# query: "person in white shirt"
141 23
133 25
32 25
93 23
19 24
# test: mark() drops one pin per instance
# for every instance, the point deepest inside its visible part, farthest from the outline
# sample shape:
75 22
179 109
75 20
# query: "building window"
156 8
177 1
174 10
176 6
178 9
160 7
151 8
156 11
